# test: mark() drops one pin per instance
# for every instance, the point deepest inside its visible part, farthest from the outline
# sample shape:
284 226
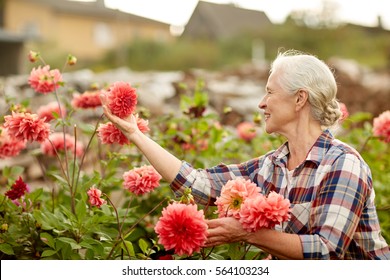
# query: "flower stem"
365 144
205 257
60 162
134 225
120 236
246 251
63 132
85 152
72 194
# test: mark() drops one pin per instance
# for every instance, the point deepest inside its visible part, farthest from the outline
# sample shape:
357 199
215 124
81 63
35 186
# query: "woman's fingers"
103 98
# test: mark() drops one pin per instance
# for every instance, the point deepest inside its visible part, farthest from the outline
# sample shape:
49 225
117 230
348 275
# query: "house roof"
96 8
223 20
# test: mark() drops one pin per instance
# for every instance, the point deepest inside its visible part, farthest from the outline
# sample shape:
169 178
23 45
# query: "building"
222 21
84 29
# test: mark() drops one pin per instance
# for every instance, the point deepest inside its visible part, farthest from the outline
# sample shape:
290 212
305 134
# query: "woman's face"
278 106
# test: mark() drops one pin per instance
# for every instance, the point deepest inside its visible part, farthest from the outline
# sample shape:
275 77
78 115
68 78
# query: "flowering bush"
98 197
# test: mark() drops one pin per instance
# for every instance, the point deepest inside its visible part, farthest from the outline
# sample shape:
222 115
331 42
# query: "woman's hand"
224 230
128 126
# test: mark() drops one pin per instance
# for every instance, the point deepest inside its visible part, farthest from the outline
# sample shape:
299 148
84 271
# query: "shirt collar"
316 153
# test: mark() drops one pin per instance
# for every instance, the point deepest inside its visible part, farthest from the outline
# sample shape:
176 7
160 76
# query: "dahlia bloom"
264 212
141 180
182 227
44 80
344 112
143 125
46 111
26 126
95 197
108 133
233 194
278 209
121 99
87 100
18 189
252 214
381 126
55 143
246 131
9 146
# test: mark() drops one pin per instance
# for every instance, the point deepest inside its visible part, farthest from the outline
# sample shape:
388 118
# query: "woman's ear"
301 98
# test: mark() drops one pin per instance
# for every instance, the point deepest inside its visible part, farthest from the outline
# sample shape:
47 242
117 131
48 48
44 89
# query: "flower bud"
4 227
33 56
227 110
71 60
187 197
94 86
257 118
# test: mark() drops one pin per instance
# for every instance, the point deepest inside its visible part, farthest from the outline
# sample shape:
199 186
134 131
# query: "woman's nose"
262 103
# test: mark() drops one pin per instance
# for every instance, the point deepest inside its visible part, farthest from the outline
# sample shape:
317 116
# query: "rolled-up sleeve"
206 184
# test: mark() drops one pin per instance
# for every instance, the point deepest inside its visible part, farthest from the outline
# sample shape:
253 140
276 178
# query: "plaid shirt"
332 199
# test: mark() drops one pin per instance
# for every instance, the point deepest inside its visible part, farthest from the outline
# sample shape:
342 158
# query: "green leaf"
81 210
86 128
73 244
60 179
47 239
35 194
12 173
47 220
214 256
143 245
236 251
7 249
129 246
48 253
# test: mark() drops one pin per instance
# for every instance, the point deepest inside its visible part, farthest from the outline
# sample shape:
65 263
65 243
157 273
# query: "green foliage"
367 46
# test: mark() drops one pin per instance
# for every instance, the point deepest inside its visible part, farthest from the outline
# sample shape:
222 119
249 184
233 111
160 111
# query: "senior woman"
327 182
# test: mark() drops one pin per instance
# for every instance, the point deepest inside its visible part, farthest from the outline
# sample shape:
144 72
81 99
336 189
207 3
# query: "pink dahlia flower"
141 180
46 111
260 212
9 146
233 194
279 209
252 214
143 125
26 126
246 131
344 112
182 227
109 134
55 143
122 99
95 197
18 189
381 126
87 100
44 80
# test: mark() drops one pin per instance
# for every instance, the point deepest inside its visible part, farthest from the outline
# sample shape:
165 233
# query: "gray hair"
303 71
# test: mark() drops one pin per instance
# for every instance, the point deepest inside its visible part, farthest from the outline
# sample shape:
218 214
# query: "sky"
178 12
